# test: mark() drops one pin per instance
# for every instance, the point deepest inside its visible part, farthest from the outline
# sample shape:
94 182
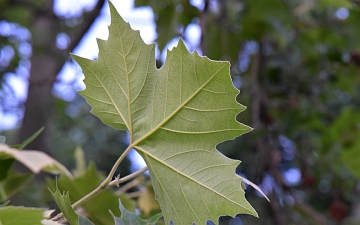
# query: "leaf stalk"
107 182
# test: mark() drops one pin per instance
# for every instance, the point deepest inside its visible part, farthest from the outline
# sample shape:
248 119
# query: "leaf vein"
208 167
106 112
209 110
200 132
188 118
132 44
146 76
128 86
177 109
217 92
93 98
188 151
164 190
187 198
203 200
113 103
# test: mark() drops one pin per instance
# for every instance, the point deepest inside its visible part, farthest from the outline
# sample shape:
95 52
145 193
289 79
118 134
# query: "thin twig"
105 183
278 211
102 186
128 186
319 218
128 177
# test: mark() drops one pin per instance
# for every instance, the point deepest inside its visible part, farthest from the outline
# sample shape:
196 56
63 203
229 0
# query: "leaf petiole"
107 182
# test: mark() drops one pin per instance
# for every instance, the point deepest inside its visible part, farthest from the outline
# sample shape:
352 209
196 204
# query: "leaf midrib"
169 199
110 97
175 111
127 79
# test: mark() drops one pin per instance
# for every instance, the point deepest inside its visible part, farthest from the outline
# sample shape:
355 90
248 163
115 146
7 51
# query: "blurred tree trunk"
46 62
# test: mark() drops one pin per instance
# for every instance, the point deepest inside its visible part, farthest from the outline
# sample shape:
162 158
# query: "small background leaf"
15 182
34 160
84 221
129 218
5 165
31 138
97 207
63 201
147 202
12 215
80 162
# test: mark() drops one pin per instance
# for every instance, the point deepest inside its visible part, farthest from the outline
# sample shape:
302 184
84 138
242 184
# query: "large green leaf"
175 117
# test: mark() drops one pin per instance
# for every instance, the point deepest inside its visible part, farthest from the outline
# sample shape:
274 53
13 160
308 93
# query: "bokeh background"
296 63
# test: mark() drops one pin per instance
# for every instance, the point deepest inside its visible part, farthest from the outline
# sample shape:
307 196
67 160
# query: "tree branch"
80 30
320 219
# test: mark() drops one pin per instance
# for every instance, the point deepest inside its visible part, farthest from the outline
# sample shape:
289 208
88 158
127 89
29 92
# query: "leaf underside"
175 116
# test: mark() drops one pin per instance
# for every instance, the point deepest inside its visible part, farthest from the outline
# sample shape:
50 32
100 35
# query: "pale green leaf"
36 161
31 138
175 116
15 215
64 204
80 162
147 203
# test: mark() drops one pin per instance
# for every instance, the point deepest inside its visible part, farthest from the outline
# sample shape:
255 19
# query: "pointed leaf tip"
64 204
